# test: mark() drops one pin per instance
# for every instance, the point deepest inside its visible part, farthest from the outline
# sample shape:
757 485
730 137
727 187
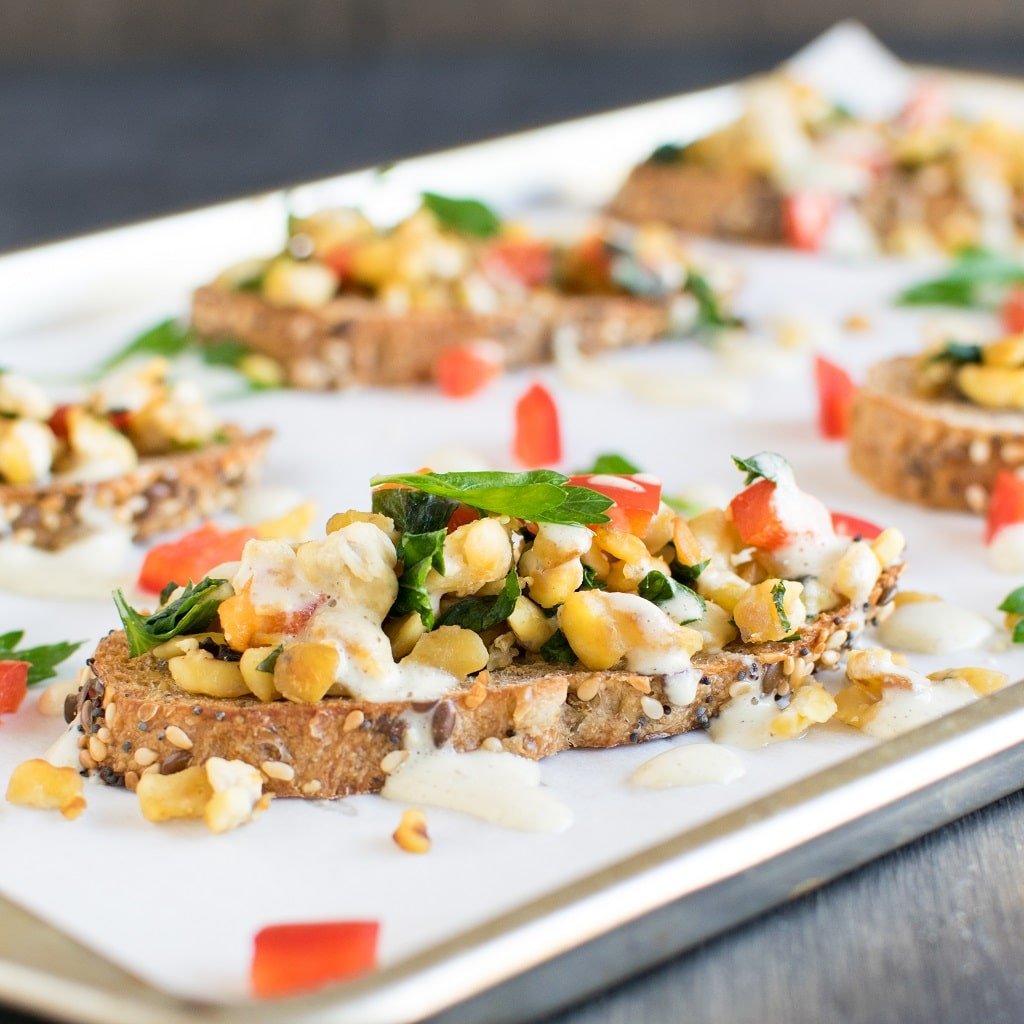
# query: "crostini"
140 452
527 613
795 169
937 429
350 303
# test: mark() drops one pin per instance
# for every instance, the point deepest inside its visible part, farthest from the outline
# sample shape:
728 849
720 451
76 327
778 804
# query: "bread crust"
532 708
356 341
718 201
942 453
162 493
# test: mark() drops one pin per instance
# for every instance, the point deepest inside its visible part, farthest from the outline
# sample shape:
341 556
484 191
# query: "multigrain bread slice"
162 493
357 341
134 719
938 452
720 202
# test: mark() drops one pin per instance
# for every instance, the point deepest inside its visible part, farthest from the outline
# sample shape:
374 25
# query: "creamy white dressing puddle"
496 787
690 765
745 721
63 752
934 627
901 710
88 568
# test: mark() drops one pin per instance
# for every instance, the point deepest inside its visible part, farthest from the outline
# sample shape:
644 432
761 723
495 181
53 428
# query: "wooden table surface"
931 933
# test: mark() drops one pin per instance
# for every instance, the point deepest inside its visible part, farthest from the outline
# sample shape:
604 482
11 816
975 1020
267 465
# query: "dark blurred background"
117 109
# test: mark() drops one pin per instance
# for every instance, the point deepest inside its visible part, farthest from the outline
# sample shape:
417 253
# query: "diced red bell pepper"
340 259
461 516
1006 506
1013 311
13 685
637 498
806 217
119 419
851 526
756 520
190 557
292 958
836 392
463 370
58 422
530 261
538 434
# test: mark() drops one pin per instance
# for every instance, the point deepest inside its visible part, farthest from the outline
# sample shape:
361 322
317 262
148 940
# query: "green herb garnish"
611 463
591 581
465 216
689 573
667 153
539 496
763 466
959 352
710 314
1014 604
779 600
975 280
169 338
190 613
557 650
660 589
482 613
42 661
268 663
418 553
413 511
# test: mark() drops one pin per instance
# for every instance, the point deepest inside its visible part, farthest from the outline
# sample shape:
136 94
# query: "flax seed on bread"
357 341
162 493
939 452
334 748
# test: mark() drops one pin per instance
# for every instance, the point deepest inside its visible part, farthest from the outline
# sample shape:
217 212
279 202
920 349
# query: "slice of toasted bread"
721 202
357 341
937 452
162 493
134 718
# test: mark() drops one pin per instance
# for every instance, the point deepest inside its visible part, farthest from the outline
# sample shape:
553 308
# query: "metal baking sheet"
667 890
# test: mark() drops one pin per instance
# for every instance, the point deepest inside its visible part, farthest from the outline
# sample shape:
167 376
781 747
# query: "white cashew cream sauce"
495 786
88 568
694 764
902 709
745 720
1006 552
934 627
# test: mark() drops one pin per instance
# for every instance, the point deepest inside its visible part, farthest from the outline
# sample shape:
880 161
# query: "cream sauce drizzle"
934 627
88 568
901 710
694 764
496 787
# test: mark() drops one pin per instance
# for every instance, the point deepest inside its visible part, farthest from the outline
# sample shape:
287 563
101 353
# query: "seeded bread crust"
133 718
937 452
163 493
355 341
720 202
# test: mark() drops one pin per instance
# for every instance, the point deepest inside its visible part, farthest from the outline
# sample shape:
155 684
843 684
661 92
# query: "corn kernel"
411 834
259 681
809 705
452 649
856 705
293 525
888 546
982 681
304 672
757 615
199 672
37 783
